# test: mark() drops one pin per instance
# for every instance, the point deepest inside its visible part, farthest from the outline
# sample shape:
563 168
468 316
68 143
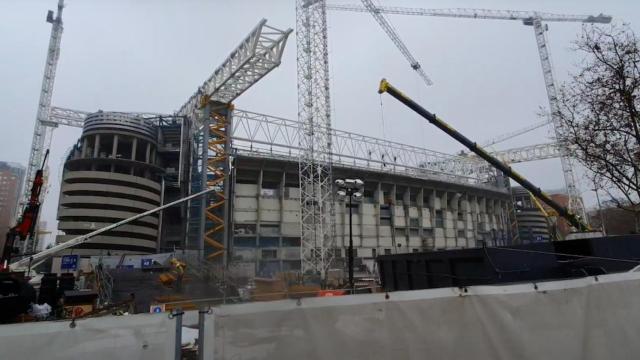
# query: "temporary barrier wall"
595 317
588 318
144 336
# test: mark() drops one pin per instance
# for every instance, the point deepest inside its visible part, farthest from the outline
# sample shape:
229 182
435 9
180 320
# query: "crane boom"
258 54
506 169
475 13
393 35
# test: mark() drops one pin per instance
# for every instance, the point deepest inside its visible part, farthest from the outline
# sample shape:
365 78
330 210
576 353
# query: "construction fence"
586 318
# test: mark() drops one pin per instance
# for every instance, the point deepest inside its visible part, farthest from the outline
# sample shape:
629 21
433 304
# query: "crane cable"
384 136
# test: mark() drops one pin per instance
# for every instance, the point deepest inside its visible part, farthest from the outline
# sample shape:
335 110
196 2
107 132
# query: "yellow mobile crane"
574 220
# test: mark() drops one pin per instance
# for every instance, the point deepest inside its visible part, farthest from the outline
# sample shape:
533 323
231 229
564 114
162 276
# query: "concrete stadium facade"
398 214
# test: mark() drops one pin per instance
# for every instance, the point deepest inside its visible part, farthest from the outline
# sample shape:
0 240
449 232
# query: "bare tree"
599 106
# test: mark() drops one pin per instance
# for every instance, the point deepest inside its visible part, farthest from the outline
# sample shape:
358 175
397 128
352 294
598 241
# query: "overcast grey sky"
150 55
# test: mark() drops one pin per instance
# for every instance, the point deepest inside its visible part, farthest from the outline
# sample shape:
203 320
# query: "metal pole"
203 179
351 284
201 314
604 231
228 215
177 314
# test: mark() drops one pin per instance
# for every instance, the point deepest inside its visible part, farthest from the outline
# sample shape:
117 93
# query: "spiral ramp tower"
112 173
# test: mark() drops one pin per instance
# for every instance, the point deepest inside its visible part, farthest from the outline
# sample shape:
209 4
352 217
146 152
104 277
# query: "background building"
11 182
616 221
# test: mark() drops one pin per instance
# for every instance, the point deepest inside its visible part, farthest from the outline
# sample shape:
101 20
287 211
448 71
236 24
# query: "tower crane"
393 35
529 18
43 128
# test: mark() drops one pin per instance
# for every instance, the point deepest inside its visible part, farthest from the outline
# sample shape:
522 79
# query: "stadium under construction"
271 204
124 164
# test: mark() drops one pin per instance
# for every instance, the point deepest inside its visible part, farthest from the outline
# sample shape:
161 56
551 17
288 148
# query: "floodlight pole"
350 188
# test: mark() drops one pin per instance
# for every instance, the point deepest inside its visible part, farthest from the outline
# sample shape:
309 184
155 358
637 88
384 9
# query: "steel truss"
259 53
269 135
474 13
266 135
314 109
529 153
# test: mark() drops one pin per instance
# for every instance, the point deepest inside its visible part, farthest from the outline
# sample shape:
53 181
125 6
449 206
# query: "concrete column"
473 210
392 209
147 156
378 199
134 146
258 216
85 141
465 216
406 204
281 201
114 148
96 149
420 206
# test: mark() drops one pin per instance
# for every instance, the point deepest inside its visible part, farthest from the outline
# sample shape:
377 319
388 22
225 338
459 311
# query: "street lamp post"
350 188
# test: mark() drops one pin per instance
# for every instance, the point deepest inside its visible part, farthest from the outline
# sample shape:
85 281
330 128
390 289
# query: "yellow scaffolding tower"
215 174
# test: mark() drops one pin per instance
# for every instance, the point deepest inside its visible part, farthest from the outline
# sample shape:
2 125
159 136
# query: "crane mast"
315 161
575 200
43 128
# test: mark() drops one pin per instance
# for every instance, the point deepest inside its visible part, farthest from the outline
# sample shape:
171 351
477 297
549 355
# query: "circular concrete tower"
111 174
